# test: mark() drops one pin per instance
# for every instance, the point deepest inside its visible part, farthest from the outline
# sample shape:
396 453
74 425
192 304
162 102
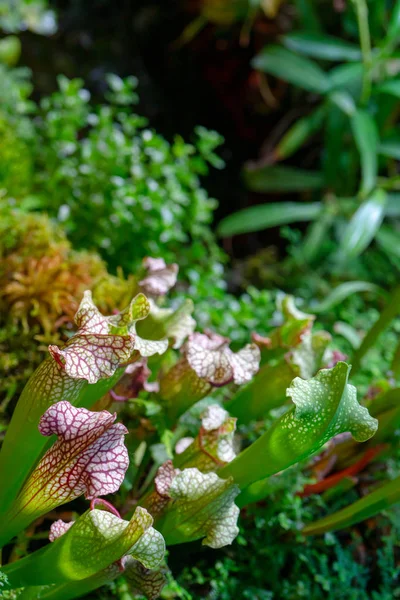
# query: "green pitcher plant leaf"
174 324
146 582
295 324
207 362
72 589
139 567
291 349
323 407
94 542
199 505
266 392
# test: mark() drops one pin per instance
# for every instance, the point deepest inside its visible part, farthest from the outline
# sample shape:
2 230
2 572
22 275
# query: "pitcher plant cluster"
108 412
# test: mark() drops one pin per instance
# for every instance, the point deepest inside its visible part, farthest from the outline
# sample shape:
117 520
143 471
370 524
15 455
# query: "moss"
42 281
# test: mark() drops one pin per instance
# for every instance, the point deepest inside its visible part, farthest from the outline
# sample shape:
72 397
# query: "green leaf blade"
343 291
367 141
369 506
294 69
321 46
95 541
266 216
363 225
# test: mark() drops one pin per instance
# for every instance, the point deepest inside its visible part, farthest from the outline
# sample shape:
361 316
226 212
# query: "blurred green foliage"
114 184
19 15
346 144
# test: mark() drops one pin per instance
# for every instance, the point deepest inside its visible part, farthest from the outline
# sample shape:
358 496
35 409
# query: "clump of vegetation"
342 65
81 160
188 477
42 280
225 404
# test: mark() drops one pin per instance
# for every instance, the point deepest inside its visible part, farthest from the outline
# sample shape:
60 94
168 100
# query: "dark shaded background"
208 81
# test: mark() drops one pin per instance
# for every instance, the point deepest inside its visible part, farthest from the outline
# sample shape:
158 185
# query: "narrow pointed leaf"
283 179
343 291
387 315
265 216
366 137
391 87
322 46
363 226
393 205
393 31
390 147
380 499
388 239
347 77
299 133
294 69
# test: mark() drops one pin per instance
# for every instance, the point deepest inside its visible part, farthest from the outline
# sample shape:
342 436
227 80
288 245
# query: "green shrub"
114 184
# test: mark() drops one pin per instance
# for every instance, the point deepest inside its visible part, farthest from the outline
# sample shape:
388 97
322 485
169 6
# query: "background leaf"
343 291
366 138
392 208
390 147
389 240
363 226
347 77
294 69
321 46
265 216
367 507
299 133
391 87
282 179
